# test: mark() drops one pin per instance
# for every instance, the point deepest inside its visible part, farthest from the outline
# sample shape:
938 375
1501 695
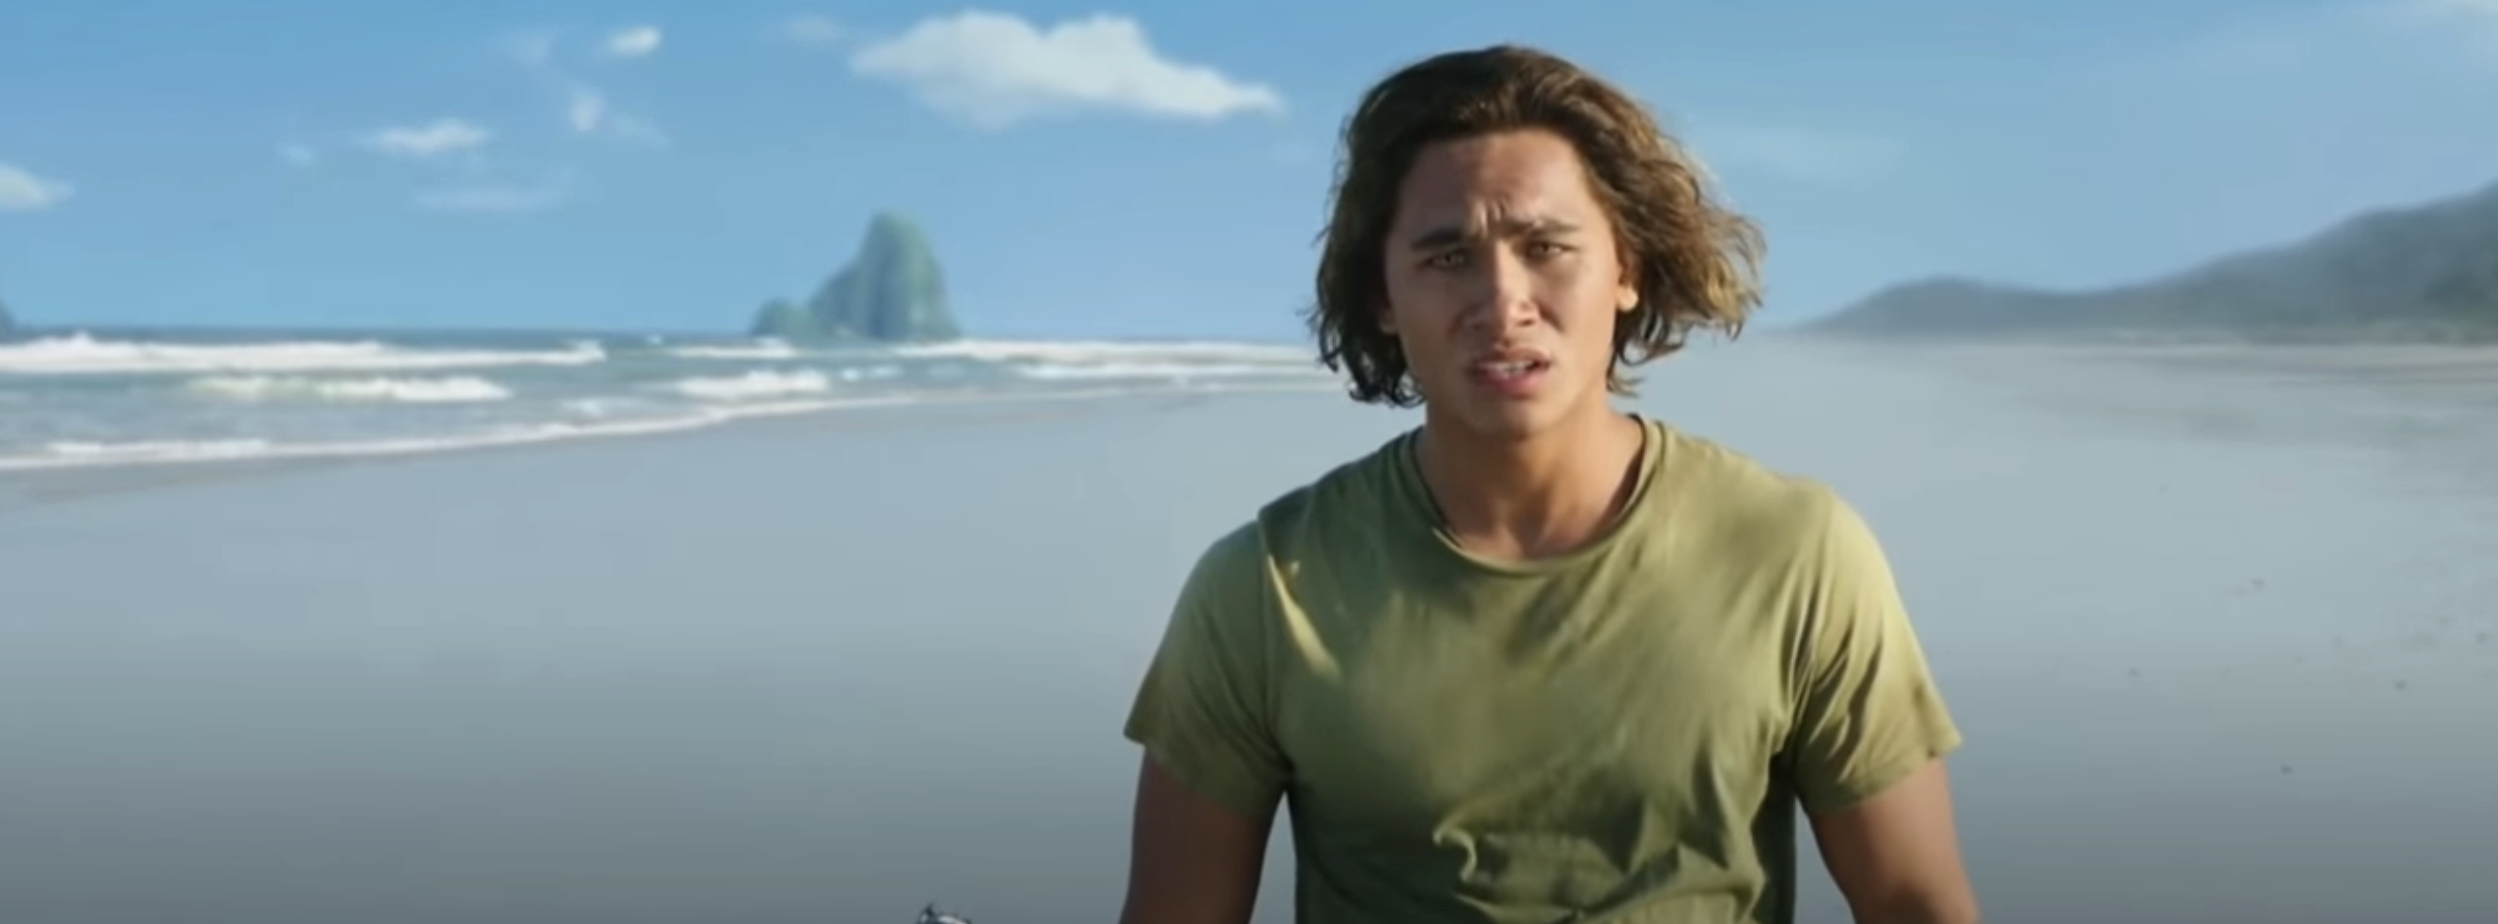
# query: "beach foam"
460 389
759 383
764 349
81 354
77 454
146 397
606 419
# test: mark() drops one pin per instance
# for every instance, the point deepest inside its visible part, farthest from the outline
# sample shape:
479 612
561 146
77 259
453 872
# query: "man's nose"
1508 291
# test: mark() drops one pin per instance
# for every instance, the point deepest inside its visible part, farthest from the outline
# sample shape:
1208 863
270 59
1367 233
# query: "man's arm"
1870 739
1191 860
1896 855
1213 772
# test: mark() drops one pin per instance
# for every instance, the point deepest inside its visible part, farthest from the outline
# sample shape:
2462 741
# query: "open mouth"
1511 369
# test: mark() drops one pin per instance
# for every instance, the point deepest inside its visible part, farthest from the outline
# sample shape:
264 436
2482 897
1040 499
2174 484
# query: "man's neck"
1538 497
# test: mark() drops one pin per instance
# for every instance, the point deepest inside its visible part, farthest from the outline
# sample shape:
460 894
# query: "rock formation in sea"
891 291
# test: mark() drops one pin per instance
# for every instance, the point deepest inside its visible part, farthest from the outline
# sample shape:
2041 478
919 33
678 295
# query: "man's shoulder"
1745 502
1357 492
1307 517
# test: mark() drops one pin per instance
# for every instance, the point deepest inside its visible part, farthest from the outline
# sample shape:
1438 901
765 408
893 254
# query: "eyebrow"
1446 235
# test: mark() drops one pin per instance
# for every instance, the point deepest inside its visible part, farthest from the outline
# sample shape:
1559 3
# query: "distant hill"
891 291
8 324
2421 274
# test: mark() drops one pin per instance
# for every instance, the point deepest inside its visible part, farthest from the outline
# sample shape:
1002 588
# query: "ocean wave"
759 383
768 383
1074 352
82 452
87 454
453 390
1164 370
70 454
80 354
1185 361
764 349
285 396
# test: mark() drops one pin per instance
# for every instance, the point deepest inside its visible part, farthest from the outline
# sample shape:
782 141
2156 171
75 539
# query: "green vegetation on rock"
2421 274
891 291
782 318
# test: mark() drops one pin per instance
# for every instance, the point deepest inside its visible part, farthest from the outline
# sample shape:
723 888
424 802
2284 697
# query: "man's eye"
1446 259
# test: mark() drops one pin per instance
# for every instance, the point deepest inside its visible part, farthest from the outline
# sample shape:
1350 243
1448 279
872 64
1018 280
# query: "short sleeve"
1203 710
1868 712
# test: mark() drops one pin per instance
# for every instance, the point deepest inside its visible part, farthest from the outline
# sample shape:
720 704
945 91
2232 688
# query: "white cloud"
531 49
22 191
590 114
633 42
994 70
299 154
588 109
1799 153
439 137
811 29
497 198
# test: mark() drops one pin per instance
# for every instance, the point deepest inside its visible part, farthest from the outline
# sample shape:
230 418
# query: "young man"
1538 660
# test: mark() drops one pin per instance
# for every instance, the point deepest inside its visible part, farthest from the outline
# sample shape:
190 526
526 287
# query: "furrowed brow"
1451 235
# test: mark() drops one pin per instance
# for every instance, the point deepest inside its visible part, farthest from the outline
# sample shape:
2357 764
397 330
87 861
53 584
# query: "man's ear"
1387 319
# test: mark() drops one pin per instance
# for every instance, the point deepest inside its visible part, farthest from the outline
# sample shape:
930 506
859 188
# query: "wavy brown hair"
1697 263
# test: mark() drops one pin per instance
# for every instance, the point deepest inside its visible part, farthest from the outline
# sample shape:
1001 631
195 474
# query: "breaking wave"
455 390
137 398
80 354
761 383
76 454
1094 352
759 350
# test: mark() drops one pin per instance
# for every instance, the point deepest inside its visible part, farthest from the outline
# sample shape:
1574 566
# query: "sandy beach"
2219 627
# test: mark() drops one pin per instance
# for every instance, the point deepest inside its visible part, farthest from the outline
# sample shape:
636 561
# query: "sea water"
93 398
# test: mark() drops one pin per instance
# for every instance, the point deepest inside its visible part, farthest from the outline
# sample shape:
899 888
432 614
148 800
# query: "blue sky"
1152 169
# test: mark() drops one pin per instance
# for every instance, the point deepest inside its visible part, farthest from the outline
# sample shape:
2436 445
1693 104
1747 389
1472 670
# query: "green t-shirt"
1617 735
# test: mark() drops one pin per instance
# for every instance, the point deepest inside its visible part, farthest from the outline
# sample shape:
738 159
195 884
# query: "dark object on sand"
930 915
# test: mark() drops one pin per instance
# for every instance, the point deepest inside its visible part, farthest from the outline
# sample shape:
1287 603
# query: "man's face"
1504 283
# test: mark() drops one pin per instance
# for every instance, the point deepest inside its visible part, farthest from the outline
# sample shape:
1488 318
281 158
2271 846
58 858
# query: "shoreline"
34 486
2454 377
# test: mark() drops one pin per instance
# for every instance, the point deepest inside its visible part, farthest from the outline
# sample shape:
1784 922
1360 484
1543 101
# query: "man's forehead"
1484 188
1489 214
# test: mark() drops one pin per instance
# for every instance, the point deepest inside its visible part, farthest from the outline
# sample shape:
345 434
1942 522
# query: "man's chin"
1500 421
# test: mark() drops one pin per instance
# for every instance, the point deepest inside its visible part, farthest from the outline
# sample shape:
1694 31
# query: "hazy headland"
2419 274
